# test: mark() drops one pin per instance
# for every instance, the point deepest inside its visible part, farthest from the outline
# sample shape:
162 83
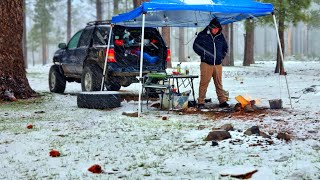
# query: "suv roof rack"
91 23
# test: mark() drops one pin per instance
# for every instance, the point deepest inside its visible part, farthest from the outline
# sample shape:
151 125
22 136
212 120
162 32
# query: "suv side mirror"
62 45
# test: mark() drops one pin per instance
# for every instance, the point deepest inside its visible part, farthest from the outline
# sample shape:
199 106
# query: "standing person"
212 47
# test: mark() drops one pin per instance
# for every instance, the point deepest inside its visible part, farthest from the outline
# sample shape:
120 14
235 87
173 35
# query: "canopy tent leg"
281 55
141 63
106 59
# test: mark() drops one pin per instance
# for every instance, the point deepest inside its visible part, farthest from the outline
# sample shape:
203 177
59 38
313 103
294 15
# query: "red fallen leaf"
54 153
95 169
30 126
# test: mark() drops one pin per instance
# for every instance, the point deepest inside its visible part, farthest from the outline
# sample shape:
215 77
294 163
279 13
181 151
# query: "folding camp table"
183 81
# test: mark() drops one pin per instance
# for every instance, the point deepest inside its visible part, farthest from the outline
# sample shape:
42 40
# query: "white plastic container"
179 102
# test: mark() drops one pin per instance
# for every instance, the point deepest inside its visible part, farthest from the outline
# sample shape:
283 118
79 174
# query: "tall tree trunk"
25 49
44 46
265 41
99 10
289 48
279 66
33 61
116 7
137 3
249 43
181 45
12 71
126 6
225 31
166 37
69 21
305 40
231 46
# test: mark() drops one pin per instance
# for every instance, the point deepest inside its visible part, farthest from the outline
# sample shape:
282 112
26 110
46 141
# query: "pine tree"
287 11
43 24
13 78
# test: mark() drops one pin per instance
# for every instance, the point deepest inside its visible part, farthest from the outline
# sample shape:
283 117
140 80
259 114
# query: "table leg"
178 86
192 90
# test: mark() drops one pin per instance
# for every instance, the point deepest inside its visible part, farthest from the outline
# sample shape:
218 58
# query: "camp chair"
155 86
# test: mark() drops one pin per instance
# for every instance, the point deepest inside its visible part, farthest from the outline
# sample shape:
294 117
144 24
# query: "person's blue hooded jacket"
211 48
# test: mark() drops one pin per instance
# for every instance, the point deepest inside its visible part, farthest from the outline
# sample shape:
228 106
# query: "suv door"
69 60
81 52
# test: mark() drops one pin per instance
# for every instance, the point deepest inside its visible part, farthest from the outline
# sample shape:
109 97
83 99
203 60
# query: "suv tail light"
168 55
110 55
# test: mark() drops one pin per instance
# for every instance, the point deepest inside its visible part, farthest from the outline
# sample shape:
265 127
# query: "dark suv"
82 59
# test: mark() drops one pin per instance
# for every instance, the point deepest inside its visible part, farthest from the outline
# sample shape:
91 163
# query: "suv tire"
99 100
57 81
91 78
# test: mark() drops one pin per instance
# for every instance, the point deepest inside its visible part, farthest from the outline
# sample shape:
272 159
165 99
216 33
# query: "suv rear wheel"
91 78
57 81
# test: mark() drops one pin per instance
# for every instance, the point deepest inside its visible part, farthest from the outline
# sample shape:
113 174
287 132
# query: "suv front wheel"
57 81
91 78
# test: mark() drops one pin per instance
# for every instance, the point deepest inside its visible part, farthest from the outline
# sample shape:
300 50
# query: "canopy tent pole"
106 59
141 63
281 54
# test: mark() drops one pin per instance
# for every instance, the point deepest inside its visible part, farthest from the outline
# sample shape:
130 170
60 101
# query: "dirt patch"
223 113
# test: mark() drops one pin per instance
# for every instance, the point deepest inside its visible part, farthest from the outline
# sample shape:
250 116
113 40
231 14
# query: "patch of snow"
152 148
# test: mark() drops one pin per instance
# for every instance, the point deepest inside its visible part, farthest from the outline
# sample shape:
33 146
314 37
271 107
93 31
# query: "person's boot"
223 105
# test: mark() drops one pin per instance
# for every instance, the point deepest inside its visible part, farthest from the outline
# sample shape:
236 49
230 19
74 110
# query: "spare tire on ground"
104 99
99 99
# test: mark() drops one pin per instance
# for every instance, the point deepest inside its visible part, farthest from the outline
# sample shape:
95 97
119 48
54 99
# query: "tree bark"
137 3
44 46
25 49
231 46
69 21
99 10
116 7
279 66
289 49
12 72
181 45
225 32
166 37
249 43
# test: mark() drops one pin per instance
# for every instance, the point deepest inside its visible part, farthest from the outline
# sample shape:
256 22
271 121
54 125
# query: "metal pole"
141 63
106 59
281 55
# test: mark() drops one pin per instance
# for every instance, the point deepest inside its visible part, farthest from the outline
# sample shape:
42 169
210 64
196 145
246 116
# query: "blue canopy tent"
190 13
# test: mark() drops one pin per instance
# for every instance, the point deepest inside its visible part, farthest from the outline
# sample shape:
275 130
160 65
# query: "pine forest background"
46 23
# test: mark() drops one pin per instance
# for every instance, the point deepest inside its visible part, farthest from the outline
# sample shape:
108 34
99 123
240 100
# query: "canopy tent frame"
144 9
106 59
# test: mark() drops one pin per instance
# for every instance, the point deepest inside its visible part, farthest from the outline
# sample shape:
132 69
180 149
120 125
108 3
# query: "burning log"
242 101
245 105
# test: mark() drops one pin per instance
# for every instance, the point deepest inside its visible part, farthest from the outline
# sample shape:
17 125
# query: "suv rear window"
101 35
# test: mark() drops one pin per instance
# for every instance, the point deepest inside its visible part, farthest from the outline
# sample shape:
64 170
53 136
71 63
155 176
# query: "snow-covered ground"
151 148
